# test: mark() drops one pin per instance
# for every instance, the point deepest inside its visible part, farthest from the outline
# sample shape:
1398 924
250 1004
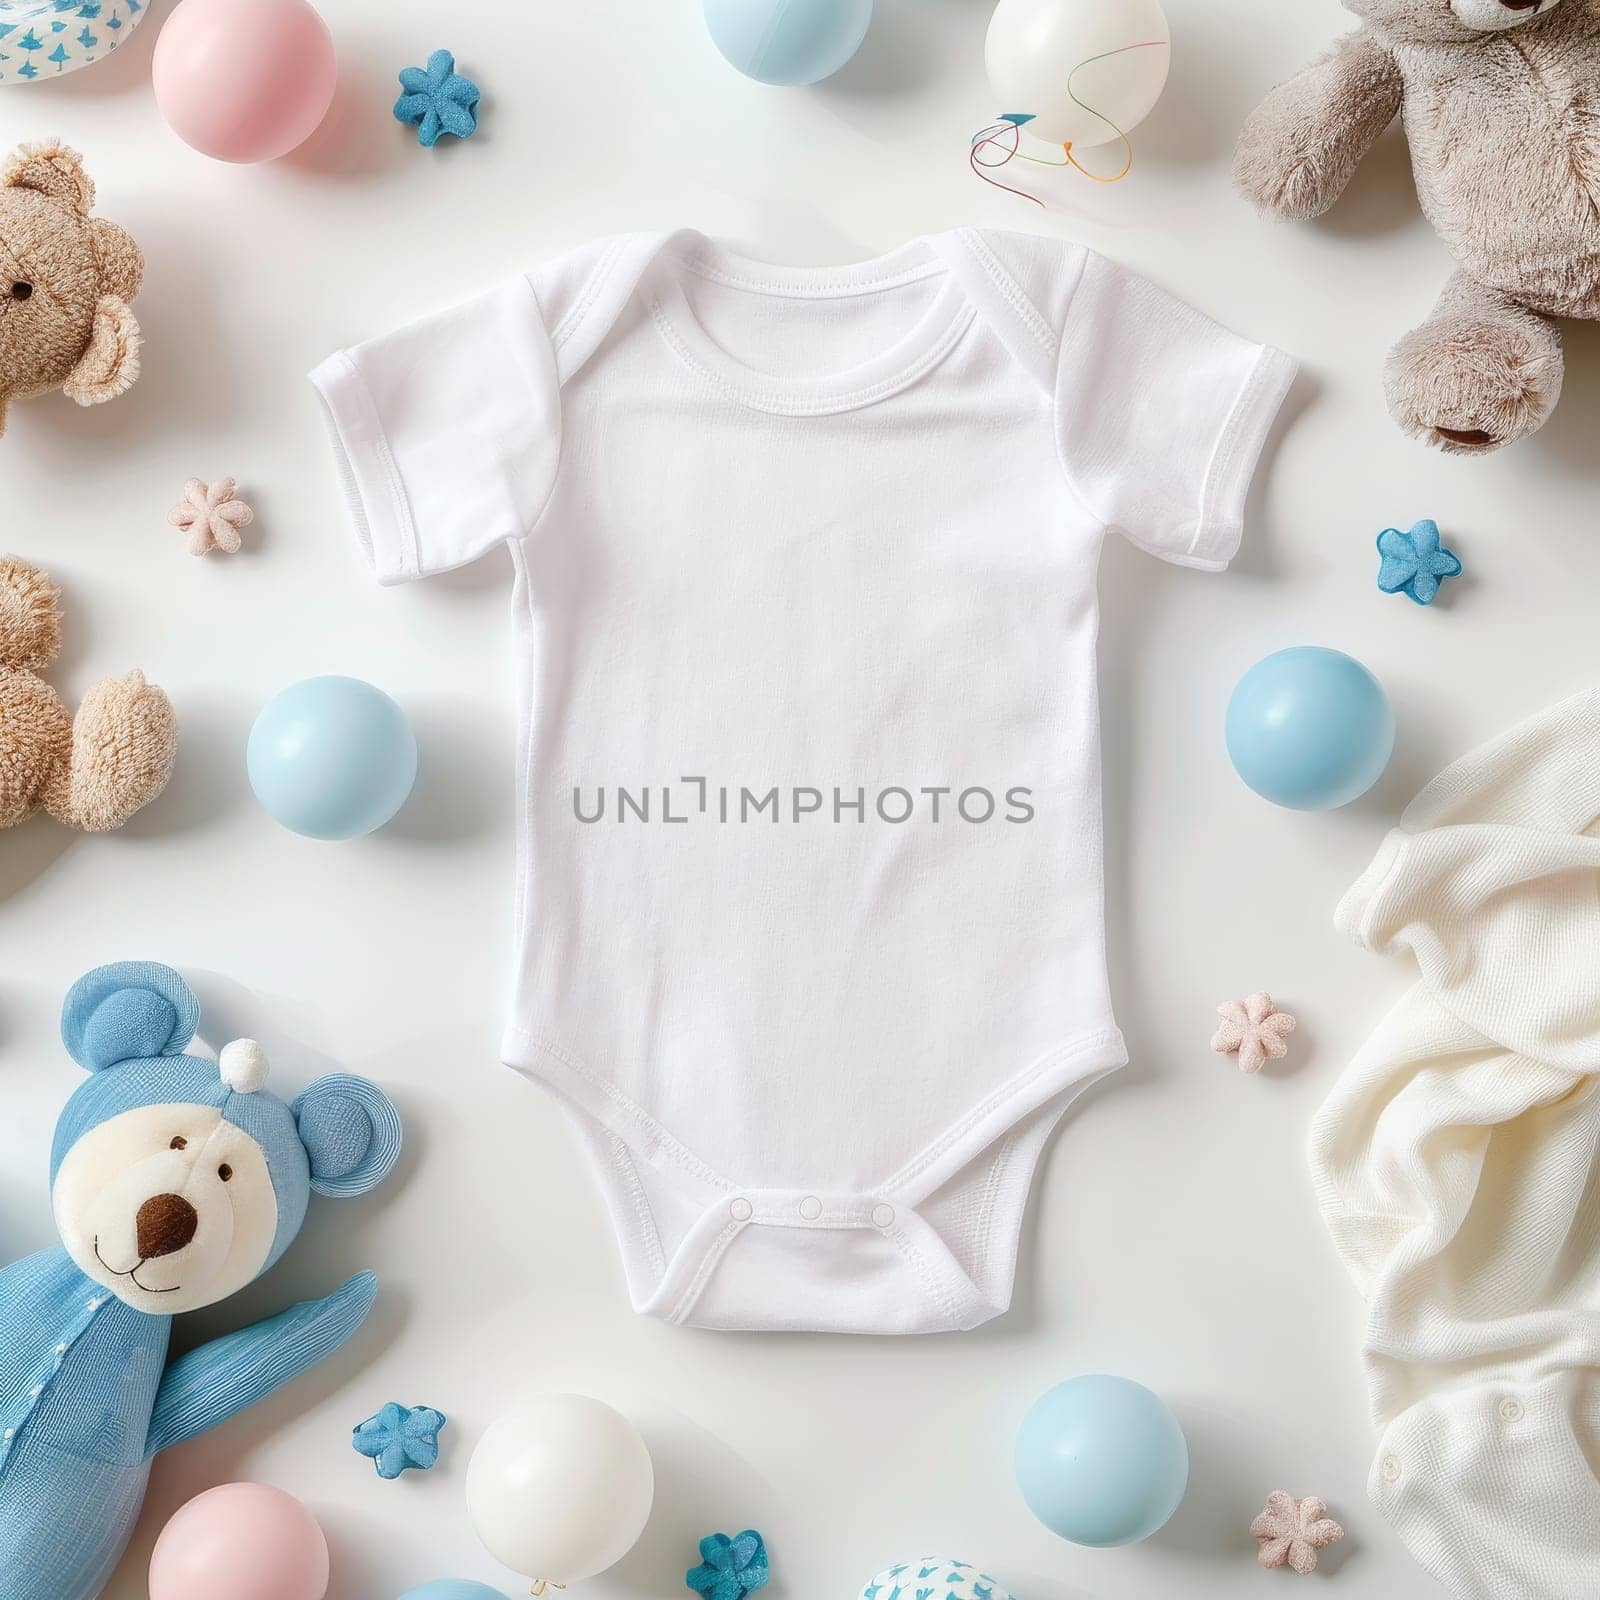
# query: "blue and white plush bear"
175 1180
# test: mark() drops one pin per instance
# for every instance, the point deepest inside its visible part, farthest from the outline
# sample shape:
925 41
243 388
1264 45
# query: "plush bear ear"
50 168
121 260
109 365
128 1011
351 1132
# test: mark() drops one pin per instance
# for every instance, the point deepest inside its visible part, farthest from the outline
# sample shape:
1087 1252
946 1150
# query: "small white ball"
243 1065
1037 49
560 1488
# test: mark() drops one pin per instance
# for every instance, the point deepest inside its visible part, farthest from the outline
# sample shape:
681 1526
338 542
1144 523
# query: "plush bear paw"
1469 384
30 616
123 741
35 736
1277 169
1300 147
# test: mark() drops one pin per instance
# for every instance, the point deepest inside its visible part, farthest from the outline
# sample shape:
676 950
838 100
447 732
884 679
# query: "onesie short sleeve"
447 432
1161 415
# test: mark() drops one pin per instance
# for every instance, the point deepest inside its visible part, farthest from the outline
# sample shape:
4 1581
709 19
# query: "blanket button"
1511 1409
882 1216
741 1210
1390 1468
811 1208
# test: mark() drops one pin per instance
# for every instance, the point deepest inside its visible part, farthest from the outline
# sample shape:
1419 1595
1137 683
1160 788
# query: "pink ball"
245 1541
244 80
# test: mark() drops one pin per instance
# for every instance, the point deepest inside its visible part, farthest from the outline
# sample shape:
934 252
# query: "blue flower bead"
438 100
730 1569
399 1437
1415 563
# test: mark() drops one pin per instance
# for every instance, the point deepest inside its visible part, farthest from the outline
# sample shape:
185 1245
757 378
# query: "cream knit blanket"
1455 1164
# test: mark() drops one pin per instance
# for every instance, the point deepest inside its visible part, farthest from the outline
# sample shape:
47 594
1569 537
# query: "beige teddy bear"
92 771
1501 105
65 282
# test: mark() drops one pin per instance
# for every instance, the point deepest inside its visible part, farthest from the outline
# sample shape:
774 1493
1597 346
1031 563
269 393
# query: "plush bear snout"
164 1224
1495 16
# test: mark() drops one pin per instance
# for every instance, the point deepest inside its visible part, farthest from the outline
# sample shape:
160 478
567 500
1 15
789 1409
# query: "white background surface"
1172 1235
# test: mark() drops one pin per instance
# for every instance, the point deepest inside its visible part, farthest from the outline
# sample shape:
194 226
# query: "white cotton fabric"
1455 1164
828 535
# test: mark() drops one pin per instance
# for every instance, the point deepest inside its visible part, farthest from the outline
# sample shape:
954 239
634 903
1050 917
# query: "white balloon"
560 1489
1036 47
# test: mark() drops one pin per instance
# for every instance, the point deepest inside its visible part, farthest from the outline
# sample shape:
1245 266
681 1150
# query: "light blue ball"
332 758
788 42
1310 728
453 1589
1102 1461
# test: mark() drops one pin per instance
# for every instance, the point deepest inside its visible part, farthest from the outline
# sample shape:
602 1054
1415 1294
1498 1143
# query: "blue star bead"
438 100
1415 563
730 1569
400 1437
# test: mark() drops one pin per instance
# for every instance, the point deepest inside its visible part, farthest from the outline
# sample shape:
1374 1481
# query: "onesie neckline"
896 367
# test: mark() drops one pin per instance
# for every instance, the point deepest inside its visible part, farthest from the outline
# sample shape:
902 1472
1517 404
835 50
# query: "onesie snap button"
882 1216
741 1211
1511 1409
1390 1468
811 1208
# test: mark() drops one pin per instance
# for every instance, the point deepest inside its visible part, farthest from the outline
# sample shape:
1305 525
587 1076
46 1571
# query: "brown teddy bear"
65 282
1501 104
92 771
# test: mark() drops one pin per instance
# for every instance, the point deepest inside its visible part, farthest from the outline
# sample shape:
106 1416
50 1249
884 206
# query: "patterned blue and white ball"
42 39
933 1578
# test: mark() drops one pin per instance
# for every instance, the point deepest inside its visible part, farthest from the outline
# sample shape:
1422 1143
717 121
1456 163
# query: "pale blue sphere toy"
453 1589
1310 728
332 758
788 42
1102 1461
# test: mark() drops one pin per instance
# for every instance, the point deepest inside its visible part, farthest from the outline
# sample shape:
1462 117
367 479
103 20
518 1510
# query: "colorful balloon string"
1005 136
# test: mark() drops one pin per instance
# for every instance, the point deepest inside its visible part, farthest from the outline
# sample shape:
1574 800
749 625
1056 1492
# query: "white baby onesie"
1457 1164
808 908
